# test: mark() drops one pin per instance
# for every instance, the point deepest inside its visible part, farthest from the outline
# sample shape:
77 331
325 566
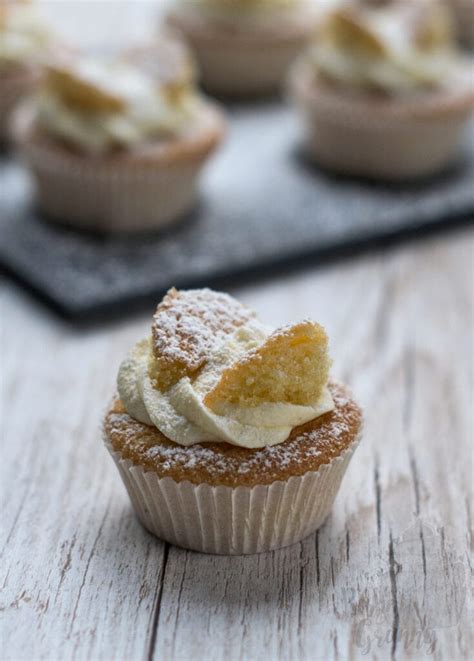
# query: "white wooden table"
387 577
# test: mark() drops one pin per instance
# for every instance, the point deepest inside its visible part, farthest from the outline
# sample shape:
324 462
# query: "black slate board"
262 207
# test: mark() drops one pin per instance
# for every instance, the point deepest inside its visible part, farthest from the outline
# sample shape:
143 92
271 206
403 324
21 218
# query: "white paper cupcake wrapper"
110 199
381 141
235 71
233 520
245 61
132 194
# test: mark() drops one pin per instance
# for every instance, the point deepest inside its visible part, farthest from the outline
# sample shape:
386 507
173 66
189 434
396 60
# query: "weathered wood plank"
80 572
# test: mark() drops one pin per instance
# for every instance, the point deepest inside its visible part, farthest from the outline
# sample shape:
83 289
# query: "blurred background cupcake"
118 145
25 42
244 47
384 91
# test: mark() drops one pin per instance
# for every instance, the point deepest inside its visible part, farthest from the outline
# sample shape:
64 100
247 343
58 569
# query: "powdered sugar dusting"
188 325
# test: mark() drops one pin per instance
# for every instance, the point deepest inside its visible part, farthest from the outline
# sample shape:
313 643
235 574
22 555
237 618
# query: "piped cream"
181 415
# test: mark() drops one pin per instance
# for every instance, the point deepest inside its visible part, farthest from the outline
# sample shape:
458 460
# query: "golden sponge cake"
188 325
298 354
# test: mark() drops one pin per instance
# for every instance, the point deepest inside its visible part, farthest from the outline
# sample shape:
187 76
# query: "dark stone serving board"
262 208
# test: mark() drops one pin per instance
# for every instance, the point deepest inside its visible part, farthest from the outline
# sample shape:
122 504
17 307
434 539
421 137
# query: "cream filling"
181 415
401 67
396 73
23 36
147 113
97 132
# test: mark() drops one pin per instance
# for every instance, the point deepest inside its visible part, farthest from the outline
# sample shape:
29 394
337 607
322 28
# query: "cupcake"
230 437
384 93
113 146
24 43
244 47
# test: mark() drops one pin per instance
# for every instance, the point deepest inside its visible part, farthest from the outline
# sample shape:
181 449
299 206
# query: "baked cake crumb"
187 327
292 366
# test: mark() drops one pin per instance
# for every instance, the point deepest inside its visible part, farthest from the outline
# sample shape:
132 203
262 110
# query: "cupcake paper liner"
233 71
381 139
134 193
233 520
243 62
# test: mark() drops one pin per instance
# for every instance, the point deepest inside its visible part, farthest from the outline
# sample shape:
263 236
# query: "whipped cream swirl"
181 415
24 37
141 109
398 49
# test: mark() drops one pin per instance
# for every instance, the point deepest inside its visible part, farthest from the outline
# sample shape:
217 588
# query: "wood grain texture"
386 577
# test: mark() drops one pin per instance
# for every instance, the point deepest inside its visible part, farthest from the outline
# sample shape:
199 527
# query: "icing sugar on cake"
187 326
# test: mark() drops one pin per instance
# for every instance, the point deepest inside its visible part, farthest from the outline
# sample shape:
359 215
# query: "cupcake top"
211 372
24 37
99 105
396 47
